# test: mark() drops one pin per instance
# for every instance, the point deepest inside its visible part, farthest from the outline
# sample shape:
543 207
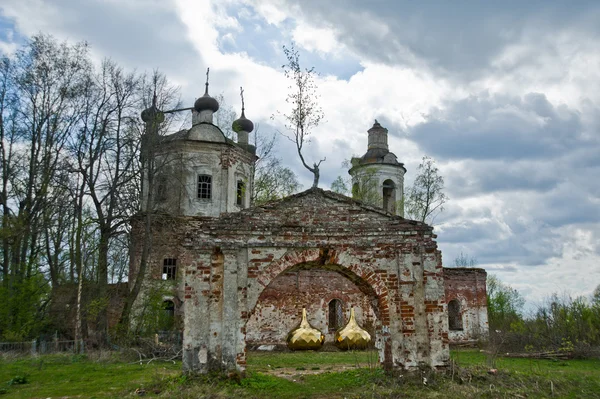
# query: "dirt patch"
296 374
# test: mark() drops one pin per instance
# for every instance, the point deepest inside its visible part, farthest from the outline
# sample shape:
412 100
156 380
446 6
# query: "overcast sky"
505 96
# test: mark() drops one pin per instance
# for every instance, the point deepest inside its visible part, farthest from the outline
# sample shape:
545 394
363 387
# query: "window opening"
241 192
161 188
454 316
336 315
169 269
204 186
389 196
169 307
166 319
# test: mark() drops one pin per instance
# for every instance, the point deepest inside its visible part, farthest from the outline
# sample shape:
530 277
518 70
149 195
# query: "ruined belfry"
238 275
379 174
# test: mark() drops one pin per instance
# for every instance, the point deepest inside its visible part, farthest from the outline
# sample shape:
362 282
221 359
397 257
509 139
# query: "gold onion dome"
305 336
352 336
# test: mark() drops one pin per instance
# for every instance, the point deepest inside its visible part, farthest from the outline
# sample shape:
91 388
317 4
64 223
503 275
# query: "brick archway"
330 259
325 258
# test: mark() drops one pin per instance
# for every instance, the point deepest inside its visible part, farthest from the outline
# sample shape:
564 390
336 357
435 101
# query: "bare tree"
40 95
364 188
105 150
306 114
164 95
426 198
464 260
225 116
272 180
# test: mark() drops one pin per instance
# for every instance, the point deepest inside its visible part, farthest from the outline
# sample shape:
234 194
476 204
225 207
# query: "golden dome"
352 336
305 336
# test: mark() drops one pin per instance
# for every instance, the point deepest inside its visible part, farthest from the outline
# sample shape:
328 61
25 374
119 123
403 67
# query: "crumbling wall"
280 306
63 307
226 264
466 289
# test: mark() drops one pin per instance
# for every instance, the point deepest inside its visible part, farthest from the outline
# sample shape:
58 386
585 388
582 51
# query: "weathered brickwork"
279 306
466 287
226 264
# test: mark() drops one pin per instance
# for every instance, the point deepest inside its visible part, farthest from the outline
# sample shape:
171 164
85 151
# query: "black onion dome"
242 124
148 113
206 102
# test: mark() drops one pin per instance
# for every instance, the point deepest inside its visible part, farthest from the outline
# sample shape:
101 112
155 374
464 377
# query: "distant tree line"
560 323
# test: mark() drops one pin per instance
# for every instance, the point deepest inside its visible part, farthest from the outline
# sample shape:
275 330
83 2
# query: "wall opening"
161 188
326 291
204 187
169 271
336 315
389 196
240 193
167 316
454 316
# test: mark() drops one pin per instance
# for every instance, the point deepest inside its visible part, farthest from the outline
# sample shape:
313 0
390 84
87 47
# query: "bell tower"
378 176
197 171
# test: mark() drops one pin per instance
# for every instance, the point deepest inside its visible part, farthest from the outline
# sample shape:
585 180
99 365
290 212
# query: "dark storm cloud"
498 176
458 38
489 243
470 230
500 127
144 36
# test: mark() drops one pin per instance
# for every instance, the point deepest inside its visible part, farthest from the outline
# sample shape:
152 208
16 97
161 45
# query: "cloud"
491 126
451 39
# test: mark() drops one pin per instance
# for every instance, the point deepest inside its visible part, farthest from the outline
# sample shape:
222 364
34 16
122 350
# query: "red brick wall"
280 305
467 286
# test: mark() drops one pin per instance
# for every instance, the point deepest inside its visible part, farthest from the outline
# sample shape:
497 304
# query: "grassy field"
299 375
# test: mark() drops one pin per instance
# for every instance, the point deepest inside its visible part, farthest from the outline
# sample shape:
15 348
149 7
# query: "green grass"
265 361
305 375
77 376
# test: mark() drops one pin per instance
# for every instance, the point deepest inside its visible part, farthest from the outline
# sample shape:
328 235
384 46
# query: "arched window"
240 193
454 316
204 187
169 307
166 319
161 188
389 196
336 315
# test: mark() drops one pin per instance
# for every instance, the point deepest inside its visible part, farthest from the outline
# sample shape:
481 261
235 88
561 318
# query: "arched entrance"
371 296
228 262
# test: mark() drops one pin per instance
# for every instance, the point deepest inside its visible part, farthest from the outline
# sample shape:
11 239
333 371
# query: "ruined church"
237 276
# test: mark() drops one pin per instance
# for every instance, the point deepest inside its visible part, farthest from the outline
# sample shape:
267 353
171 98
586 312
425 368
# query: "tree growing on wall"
306 114
426 198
